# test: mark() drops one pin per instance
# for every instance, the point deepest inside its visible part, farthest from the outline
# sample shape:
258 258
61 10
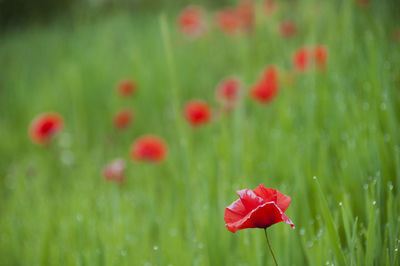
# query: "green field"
341 126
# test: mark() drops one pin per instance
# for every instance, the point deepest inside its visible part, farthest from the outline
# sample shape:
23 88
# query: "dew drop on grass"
396 249
327 262
302 231
314 177
365 186
320 233
340 203
67 158
383 106
310 244
79 217
123 253
374 202
200 245
155 247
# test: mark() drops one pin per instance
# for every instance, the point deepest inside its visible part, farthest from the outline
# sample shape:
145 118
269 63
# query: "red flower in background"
197 113
396 35
126 87
269 6
44 127
302 59
265 90
149 148
236 20
191 21
123 118
362 3
228 92
228 21
259 208
245 11
320 57
115 171
287 28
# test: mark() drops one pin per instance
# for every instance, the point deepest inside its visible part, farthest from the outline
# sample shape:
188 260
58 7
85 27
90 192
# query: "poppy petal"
270 194
258 218
249 199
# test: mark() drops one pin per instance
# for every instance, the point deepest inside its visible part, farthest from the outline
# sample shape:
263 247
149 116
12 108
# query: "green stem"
269 245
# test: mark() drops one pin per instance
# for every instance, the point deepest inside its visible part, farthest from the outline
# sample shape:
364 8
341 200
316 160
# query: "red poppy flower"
191 21
302 59
126 87
259 208
149 148
228 92
265 90
123 118
287 28
269 6
228 21
363 3
321 56
197 113
396 35
115 171
44 127
245 12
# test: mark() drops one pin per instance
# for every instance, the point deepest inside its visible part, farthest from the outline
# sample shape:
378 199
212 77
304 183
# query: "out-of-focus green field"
341 126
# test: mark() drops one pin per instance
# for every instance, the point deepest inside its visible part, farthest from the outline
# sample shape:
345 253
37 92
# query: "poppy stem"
269 245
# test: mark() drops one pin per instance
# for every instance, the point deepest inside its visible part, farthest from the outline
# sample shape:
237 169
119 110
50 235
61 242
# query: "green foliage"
341 126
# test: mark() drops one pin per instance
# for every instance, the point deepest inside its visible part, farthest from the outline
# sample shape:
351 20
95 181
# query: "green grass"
341 126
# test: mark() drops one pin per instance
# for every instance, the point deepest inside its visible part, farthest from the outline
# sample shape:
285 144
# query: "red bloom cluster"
126 87
259 208
44 127
236 20
228 92
197 113
149 148
115 171
304 57
265 90
287 28
192 22
123 118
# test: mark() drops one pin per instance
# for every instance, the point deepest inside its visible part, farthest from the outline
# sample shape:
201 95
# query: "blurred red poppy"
228 92
396 35
259 208
362 3
192 22
115 171
287 28
236 20
269 6
302 59
197 113
123 118
245 11
265 90
44 127
126 87
149 148
320 56
228 21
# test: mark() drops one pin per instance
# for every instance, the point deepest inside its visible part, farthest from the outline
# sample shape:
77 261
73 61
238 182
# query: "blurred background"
339 124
